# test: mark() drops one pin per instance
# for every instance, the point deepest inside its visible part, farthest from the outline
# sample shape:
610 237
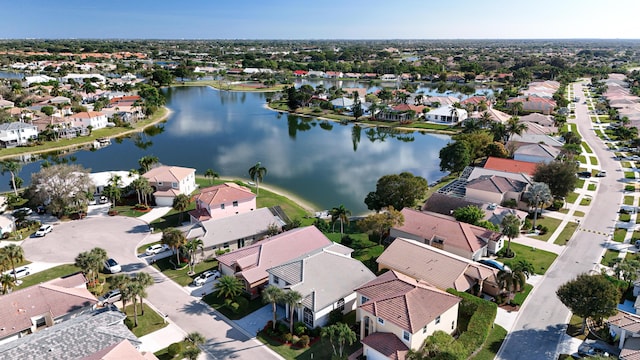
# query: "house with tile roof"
534 104
439 268
170 181
29 310
319 276
536 153
536 118
95 119
17 133
251 263
627 327
495 189
216 202
396 307
510 165
444 232
446 204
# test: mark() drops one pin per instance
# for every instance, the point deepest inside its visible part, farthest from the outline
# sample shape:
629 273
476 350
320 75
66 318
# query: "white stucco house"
17 133
446 114
95 119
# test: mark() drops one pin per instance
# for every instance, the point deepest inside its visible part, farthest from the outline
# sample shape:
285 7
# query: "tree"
498 130
511 281
589 296
88 87
144 280
191 353
66 188
514 127
340 213
292 298
560 176
123 283
477 143
180 204
510 229
229 287
195 338
15 254
142 188
211 175
455 156
7 282
496 149
538 195
192 247
627 270
174 238
257 173
469 214
147 162
272 295
338 334
381 222
91 262
12 167
161 77
397 190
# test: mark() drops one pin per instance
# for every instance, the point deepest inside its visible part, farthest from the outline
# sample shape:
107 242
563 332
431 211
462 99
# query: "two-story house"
95 119
17 133
223 200
169 182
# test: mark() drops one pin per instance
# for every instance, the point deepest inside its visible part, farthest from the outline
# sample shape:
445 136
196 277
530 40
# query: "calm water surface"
326 163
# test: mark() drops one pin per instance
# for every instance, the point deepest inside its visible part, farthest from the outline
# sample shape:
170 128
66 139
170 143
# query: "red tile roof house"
510 165
34 308
169 182
397 313
534 104
95 119
444 232
216 202
251 263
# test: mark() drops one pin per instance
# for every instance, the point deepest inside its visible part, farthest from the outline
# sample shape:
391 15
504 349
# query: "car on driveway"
23 211
495 264
111 266
20 272
206 276
110 297
586 174
156 248
43 230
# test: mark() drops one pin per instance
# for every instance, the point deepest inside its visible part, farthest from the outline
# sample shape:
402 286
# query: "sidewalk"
162 338
155 213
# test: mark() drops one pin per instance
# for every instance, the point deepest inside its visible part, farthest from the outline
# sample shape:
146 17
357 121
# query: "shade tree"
397 190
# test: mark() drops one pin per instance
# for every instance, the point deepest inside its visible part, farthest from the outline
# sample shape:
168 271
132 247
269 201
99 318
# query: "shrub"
335 316
304 341
346 240
299 328
481 314
129 323
242 302
287 337
282 328
174 349
527 224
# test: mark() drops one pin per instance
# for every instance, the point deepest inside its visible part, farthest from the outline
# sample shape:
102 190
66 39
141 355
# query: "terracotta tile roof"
461 235
168 173
627 321
200 214
510 165
496 184
404 301
86 115
254 260
224 193
434 266
474 100
387 344
121 350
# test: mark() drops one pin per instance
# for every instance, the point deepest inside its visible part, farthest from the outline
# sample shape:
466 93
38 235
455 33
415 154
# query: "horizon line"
317 39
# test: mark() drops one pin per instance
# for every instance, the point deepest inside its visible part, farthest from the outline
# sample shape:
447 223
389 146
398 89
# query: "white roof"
102 178
446 111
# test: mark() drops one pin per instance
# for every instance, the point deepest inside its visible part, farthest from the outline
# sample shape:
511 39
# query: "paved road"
543 318
121 236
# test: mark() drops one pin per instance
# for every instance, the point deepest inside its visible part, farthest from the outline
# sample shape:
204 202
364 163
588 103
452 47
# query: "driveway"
256 321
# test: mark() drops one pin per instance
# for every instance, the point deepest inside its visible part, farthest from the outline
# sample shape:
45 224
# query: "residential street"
542 320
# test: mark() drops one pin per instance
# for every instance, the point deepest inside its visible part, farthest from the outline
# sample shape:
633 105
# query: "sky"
327 19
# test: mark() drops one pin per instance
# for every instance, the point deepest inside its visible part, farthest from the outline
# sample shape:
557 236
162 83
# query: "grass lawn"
540 259
578 213
609 256
629 175
572 197
587 148
365 250
619 234
636 235
579 183
625 217
163 354
180 276
625 164
582 159
628 200
575 325
585 201
492 344
130 211
50 274
591 187
594 160
218 303
629 188
147 323
320 350
519 298
550 223
567 232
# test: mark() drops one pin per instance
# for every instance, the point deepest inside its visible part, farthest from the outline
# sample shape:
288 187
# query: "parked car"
44 230
206 276
586 174
495 264
103 200
110 297
20 272
589 349
111 266
601 173
156 248
23 211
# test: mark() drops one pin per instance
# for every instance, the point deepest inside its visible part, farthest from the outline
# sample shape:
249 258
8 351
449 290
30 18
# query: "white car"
24 211
111 266
206 276
20 272
110 297
156 248
44 230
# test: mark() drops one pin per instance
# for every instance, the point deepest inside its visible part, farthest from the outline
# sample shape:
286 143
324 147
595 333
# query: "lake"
323 162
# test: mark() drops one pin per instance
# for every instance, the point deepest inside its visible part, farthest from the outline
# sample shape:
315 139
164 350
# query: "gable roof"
496 184
428 225
510 165
224 194
320 276
387 344
86 115
166 173
254 260
121 350
442 269
404 301
541 150
445 204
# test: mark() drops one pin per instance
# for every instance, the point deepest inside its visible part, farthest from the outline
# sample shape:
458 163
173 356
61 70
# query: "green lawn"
128 210
550 223
591 187
585 201
572 197
147 323
540 259
319 350
619 234
586 147
218 303
519 298
625 164
180 276
594 160
365 250
609 256
50 274
492 344
629 175
578 213
628 200
567 232
163 354
582 159
574 327
579 183
625 217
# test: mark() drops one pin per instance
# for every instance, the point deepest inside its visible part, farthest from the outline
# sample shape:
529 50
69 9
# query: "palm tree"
514 127
485 119
498 130
192 246
516 108
135 291
114 190
195 338
12 167
510 229
146 162
88 87
211 175
340 213
191 353
538 195
229 287
292 298
511 281
144 280
8 283
453 113
174 238
180 204
471 126
257 173
15 253
123 282
272 295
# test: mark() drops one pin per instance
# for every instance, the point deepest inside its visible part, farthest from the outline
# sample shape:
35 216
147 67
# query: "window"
380 321
453 325
240 243
363 299
235 204
222 206
307 317
406 336
340 304
174 185
438 320
276 279
424 329
226 245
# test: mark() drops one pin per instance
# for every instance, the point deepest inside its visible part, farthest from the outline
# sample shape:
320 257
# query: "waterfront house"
446 114
95 119
169 182
222 200
17 133
510 165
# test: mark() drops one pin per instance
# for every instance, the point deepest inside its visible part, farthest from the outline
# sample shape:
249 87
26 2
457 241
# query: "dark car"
592 348
586 174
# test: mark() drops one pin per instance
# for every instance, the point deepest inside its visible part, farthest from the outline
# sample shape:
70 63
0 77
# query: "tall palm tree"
211 175
195 338
292 298
180 204
4 260
499 131
511 281
146 162
514 127
340 213
123 282
191 353
257 173
485 119
12 167
229 287
8 283
174 238
135 291
538 195
272 295
144 280
192 247
15 253
510 229
516 108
